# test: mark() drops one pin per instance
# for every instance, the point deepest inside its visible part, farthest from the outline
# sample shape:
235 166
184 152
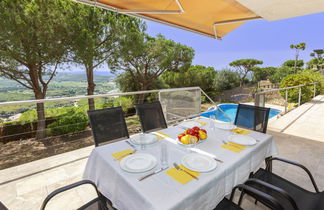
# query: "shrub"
125 102
69 123
225 80
305 77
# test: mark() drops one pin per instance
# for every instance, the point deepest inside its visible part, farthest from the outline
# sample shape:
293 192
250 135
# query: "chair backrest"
98 203
151 116
267 199
107 125
2 206
252 117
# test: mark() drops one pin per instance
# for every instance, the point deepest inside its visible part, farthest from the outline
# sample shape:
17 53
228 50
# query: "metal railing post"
286 101
299 96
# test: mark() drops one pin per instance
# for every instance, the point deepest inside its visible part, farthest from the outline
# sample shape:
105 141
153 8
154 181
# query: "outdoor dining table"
160 191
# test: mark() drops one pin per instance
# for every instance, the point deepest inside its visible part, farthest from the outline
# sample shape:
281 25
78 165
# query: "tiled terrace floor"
25 186
306 121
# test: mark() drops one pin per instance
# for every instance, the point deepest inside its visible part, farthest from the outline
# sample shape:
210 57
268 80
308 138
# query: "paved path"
306 121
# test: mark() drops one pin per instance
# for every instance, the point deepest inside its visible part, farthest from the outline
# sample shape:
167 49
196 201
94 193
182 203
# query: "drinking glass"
212 122
164 155
142 140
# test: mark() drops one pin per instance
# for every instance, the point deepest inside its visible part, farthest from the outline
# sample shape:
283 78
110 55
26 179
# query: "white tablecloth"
161 191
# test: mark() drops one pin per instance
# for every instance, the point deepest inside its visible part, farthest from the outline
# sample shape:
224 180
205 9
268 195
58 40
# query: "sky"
268 41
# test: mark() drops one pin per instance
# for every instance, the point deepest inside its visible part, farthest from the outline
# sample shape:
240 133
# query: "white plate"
225 126
190 124
138 162
148 139
242 140
198 162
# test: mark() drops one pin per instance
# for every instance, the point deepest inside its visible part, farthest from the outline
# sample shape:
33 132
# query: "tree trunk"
295 65
91 87
142 96
241 82
41 124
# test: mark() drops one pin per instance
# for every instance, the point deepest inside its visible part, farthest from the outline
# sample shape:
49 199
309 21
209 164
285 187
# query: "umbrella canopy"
213 18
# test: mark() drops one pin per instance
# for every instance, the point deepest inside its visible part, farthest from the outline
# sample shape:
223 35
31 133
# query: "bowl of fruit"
192 136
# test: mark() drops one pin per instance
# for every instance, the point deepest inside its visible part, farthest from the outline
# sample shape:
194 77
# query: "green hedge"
305 77
125 102
69 123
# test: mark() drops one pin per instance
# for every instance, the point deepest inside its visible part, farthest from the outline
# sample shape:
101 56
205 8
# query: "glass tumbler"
142 141
164 155
212 122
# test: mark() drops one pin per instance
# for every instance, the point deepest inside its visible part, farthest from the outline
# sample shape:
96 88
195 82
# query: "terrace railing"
67 125
261 97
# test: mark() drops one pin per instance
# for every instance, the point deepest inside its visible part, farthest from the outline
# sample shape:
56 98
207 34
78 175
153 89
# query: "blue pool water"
230 110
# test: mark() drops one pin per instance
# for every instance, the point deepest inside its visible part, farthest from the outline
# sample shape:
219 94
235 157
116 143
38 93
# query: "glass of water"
212 122
164 155
142 140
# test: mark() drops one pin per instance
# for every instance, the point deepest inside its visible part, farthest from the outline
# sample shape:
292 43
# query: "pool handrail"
213 102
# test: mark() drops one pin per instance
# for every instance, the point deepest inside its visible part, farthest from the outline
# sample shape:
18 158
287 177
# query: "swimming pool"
230 110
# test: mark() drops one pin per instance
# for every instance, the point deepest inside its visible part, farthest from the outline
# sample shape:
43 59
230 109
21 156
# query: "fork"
226 143
180 169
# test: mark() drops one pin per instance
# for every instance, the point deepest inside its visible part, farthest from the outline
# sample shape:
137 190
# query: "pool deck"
306 121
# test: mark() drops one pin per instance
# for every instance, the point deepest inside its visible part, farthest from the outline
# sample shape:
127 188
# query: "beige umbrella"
213 18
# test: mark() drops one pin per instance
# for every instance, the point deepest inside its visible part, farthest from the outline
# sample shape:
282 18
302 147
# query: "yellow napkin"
241 131
162 135
181 176
201 122
116 155
233 147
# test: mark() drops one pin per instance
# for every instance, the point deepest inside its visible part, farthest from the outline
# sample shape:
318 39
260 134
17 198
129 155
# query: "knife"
130 144
155 172
180 169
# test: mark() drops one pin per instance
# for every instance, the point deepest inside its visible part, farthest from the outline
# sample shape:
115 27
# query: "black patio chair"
98 203
303 198
2 206
252 117
268 200
151 116
107 125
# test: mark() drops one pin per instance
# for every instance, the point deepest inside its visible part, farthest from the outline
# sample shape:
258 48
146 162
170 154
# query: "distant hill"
100 77
81 77
64 84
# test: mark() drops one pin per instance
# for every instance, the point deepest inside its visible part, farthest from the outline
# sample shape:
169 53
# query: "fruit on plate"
193 135
202 134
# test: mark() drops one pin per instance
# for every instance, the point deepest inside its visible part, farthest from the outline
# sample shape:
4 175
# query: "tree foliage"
244 66
280 73
146 58
317 62
291 64
95 36
33 42
263 73
226 79
197 75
